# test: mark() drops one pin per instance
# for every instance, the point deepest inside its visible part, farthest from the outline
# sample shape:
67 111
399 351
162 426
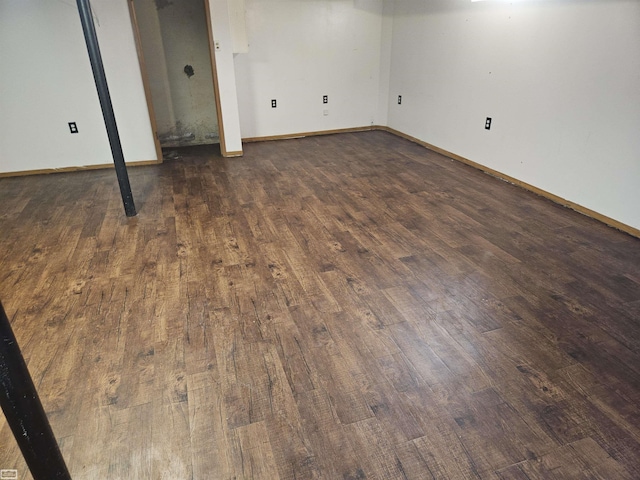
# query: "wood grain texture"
348 306
555 198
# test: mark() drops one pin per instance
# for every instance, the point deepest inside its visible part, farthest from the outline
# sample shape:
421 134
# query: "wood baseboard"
237 153
543 193
289 136
100 166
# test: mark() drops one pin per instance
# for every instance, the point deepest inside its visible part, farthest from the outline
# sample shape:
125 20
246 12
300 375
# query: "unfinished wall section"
175 43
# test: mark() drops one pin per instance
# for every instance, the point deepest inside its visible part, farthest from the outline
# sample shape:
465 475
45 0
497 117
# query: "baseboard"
543 193
100 166
237 153
289 136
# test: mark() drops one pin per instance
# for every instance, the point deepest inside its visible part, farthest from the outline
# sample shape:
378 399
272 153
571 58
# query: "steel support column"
100 78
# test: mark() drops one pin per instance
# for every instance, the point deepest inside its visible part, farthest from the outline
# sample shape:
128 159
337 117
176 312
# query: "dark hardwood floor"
342 307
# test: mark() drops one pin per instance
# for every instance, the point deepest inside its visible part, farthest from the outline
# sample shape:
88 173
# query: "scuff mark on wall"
188 70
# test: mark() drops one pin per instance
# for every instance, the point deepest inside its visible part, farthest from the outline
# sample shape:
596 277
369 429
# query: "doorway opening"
174 47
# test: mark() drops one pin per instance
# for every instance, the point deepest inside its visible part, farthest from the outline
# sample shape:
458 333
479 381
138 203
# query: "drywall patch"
188 70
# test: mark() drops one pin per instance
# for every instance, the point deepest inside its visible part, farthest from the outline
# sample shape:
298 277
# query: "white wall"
302 50
46 82
386 40
561 80
230 141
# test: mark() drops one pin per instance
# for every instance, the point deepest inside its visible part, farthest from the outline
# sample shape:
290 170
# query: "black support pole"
24 412
99 76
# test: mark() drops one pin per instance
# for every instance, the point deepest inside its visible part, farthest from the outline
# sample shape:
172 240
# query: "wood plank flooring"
342 307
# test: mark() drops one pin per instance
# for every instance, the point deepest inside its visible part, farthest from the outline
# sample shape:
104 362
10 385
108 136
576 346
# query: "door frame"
214 74
145 80
147 88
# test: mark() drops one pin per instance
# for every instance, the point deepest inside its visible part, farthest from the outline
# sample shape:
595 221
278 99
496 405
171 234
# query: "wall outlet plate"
399 99
487 123
273 103
325 99
73 128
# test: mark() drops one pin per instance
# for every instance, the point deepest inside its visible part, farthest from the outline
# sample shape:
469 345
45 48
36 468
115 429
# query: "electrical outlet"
325 99
487 123
399 99
73 128
273 103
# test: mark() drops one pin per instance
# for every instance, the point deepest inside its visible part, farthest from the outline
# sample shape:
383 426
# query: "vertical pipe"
24 412
100 78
